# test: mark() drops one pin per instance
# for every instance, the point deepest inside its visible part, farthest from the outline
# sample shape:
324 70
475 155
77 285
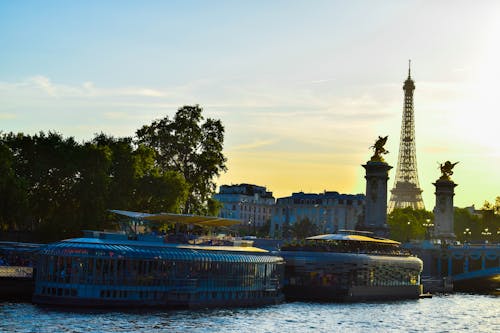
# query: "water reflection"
442 313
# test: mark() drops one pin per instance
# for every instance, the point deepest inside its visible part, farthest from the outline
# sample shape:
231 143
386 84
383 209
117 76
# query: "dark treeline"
469 225
53 187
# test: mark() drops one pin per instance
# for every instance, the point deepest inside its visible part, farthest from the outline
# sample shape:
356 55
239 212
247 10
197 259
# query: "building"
249 203
330 211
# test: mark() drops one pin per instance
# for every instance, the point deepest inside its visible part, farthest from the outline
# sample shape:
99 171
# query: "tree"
165 192
263 230
303 229
121 171
14 199
191 147
136 182
467 227
46 165
213 207
57 187
490 221
406 223
91 192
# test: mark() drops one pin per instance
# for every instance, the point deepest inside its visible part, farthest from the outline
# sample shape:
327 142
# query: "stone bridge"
469 267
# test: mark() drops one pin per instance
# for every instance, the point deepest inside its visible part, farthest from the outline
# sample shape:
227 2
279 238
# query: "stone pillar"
377 174
443 211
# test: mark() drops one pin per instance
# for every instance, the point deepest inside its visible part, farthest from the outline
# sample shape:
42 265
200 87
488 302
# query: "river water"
446 313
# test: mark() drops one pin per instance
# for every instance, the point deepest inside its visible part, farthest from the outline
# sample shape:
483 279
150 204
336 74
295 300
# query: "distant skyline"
303 88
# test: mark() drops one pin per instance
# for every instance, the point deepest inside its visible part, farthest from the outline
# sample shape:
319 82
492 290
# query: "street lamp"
486 233
243 207
427 225
254 219
408 230
467 234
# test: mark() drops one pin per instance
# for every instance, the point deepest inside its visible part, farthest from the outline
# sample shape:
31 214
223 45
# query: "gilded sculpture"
446 169
378 149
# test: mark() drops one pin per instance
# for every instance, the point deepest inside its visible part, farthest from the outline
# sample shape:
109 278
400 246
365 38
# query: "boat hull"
95 273
194 303
352 294
333 276
16 288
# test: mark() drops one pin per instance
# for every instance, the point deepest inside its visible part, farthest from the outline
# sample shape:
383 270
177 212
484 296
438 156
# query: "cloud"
322 81
118 115
7 116
86 89
435 149
44 83
254 145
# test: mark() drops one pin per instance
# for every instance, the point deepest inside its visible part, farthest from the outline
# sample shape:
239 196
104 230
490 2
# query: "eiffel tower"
406 191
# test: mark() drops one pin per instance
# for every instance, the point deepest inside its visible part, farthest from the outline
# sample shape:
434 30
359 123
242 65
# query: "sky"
303 88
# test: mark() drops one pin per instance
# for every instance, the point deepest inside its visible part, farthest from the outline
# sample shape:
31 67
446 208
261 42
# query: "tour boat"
16 269
350 266
119 269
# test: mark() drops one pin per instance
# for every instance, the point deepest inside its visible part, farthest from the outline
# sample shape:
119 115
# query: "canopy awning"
359 238
207 221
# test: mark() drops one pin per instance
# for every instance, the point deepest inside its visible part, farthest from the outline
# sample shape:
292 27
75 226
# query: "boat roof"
207 221
91 247
350 237
147 244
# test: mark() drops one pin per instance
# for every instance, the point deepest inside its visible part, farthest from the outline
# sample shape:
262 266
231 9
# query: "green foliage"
263 230
466 225
489 222
406 223
213 207
191 147
165 192
13 201
303 229
55 187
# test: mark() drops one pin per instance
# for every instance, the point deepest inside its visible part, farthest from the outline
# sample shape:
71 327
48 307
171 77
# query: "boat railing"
16 271
221 241
347 248
272 284
185 284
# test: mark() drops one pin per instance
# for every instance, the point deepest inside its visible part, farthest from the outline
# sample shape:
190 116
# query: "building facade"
330 211
251 204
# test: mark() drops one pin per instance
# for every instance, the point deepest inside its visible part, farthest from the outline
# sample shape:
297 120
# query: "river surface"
446 313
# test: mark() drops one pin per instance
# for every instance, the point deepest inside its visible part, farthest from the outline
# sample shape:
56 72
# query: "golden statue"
446 169
378 149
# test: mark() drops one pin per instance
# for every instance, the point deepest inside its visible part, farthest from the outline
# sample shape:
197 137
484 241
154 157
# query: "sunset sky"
303 87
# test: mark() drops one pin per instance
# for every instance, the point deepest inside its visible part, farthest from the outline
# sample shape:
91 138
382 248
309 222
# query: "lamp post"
486 233
428 225
254 220
467 234
408 231
243 207
286 229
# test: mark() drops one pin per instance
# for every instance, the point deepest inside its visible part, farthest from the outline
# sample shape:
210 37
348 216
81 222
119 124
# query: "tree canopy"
54 187
303 229
406 223
469 225
191 146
